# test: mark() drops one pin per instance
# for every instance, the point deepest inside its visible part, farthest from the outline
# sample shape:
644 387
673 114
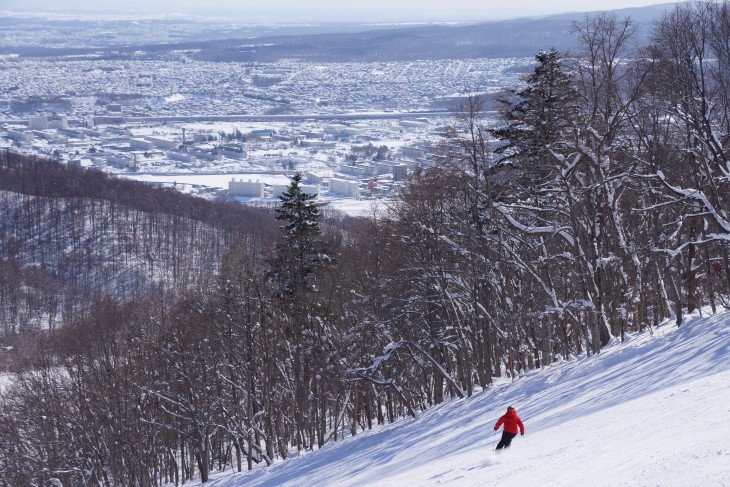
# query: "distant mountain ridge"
521 37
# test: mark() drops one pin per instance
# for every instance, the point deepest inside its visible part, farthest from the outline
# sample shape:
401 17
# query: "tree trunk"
691 276
677 297
547 355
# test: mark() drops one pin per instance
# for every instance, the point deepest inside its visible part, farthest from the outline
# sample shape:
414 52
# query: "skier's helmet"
509 408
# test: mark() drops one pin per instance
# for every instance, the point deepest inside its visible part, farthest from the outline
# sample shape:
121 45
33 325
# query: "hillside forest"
149 337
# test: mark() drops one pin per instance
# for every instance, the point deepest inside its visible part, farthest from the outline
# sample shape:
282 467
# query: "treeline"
597 207
35 176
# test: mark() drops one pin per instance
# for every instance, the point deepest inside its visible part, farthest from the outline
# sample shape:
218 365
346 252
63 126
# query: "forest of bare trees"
68 235
596 207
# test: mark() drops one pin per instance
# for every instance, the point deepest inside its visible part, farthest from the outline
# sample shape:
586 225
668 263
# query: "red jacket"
511 422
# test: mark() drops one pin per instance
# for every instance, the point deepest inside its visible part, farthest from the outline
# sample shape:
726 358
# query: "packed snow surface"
651 411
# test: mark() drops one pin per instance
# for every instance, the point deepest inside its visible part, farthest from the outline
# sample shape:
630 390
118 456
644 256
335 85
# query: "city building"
108 120
413 152
76 134
234 151
181 156
140 144
162 142
313 178
342 131
248 188
415 123
400 172
344 187
382 168
262 133
38 122
20 135
120 160
350 170
207 153
57 122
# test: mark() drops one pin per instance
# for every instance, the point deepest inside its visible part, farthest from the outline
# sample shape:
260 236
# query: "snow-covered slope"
654 410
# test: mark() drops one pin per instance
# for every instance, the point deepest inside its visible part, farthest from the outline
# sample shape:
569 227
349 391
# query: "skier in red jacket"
511 422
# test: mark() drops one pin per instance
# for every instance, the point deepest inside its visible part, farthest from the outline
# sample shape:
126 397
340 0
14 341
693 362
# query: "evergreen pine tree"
537 119
299 252
299 258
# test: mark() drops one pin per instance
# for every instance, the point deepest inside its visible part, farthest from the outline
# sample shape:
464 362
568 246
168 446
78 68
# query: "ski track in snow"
651 411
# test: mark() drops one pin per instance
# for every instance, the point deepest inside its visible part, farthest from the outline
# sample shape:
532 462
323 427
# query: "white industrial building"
382 168
44 122
121 160
162 142
343 131
140 144
20 135
314 178
57 122
351 170
232 151
249 189
181 156
415 123
39 122
345 187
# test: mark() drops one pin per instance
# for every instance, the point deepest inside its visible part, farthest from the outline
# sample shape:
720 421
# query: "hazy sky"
345 10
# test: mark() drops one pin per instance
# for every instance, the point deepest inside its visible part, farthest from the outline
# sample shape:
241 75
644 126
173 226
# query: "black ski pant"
506 440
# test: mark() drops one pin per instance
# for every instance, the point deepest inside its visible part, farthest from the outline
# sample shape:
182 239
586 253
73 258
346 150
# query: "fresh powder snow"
651 411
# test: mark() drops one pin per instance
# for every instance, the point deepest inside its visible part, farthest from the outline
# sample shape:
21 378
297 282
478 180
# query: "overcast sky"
343 10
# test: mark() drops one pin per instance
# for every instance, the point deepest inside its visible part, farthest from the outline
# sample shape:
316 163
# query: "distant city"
355 129
355 107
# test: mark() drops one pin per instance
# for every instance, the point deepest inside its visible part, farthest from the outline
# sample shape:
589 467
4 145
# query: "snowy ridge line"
649 411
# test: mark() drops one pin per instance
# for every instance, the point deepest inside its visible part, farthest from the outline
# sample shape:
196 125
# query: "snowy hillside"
654 410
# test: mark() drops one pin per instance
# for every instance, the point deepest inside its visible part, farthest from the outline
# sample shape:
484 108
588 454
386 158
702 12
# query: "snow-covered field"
652 411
